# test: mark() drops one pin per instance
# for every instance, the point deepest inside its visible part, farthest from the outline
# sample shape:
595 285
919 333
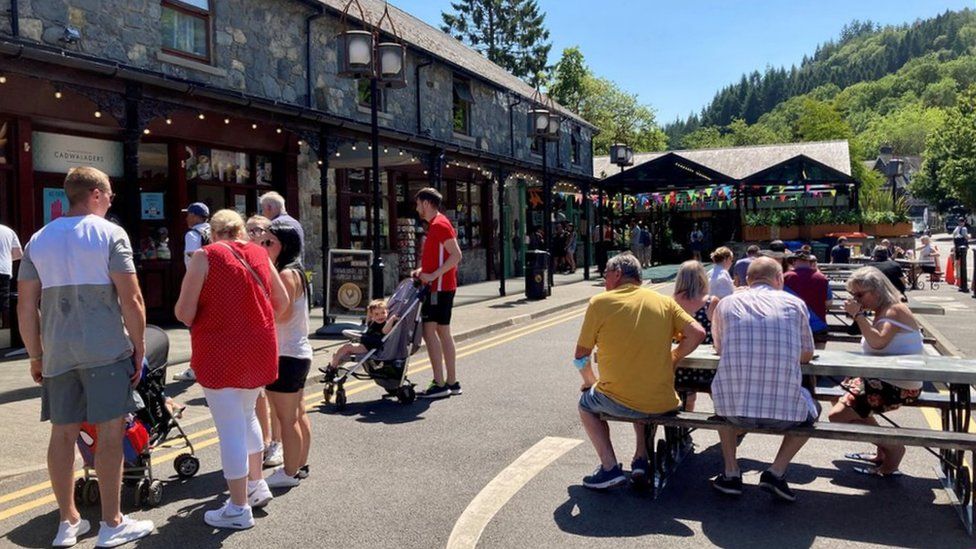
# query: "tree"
949 168
510 33
569 80
621 117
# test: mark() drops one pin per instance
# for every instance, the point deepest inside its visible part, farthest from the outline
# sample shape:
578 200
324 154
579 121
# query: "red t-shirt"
811 286
435 253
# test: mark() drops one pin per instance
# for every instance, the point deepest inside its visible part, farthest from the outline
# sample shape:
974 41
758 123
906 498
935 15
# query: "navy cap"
198 208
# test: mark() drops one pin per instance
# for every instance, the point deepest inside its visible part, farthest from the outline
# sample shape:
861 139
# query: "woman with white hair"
691 293
893 331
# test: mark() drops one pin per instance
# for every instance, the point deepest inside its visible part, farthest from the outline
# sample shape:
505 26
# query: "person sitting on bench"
761 335
632 327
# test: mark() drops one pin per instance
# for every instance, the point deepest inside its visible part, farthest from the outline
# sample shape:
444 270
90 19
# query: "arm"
196 274
279 295
693 334
879 338
294 287
589 378
390 323
16 253
134 315
716 330
712 305
29 317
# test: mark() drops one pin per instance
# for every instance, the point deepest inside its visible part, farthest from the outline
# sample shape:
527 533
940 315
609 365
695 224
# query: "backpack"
204 235
645 238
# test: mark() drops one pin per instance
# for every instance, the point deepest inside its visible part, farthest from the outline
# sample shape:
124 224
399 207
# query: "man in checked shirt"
762 336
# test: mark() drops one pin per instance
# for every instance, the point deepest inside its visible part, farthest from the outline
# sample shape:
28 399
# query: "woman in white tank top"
294 357
893 332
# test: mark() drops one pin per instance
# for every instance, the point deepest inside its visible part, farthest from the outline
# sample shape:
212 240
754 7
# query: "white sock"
236 509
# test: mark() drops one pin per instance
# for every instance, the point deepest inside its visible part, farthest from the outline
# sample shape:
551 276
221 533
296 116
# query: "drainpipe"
416 79
14 19
511 123
308 54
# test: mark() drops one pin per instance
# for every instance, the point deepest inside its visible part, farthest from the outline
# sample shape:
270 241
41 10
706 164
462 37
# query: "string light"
201 116
300 142
254 126
370 147
57 93
353 146
338 154
278 130
3 79
385 150
169 121
146 131
98 114
401 152
319 162
227 121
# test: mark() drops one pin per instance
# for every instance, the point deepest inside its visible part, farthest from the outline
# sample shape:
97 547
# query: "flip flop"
178 411
873 471
869 457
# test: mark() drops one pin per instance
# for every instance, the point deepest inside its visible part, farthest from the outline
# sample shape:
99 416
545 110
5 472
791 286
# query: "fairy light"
254 126
227 121
201 116
98 114
146 131
278 130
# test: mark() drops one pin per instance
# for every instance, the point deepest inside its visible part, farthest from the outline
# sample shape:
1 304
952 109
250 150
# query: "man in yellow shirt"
633 327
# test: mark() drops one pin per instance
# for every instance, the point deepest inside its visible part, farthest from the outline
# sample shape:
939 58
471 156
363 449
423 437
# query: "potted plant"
886 224
786 224
757 226
816 224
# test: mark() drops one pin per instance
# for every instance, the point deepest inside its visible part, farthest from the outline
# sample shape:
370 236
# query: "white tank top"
293 333
907 341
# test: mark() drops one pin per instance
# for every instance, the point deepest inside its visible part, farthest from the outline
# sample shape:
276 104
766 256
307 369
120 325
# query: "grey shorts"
597 403
772 424
92 395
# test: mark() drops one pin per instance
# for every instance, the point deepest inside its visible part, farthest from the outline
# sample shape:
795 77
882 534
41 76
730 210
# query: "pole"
377 267
586 223
547 209
501 232
601 246
324 192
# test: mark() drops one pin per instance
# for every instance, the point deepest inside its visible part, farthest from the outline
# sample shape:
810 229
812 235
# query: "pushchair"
148 429
386 365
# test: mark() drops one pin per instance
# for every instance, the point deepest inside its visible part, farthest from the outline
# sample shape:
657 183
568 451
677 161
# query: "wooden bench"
666 453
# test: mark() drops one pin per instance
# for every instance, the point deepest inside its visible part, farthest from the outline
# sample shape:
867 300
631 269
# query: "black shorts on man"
437 308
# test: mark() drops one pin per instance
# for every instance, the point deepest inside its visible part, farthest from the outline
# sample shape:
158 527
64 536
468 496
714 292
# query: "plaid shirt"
760 334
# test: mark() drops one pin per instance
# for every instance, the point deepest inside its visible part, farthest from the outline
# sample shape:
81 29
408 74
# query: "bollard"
963 273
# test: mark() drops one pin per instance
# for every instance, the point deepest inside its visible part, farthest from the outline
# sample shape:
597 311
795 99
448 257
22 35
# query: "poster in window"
55 204
152 206
230 166
240 204
264 170
198 163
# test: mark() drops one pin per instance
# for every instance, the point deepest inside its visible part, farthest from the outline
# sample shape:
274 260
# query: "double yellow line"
352 388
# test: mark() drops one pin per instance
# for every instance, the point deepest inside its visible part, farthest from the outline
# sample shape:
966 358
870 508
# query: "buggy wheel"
186 465
327 392
154 493
89 493
80 492
340 399
141 493
406 394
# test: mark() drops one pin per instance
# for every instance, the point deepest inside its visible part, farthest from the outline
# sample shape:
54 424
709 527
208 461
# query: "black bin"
536 274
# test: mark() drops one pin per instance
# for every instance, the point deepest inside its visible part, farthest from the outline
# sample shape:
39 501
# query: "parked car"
920 227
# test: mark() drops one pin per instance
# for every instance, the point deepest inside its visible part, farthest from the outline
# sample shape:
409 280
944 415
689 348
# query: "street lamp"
361 55
544 125
621 155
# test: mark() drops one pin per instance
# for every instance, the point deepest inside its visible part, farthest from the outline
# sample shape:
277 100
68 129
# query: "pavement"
500 465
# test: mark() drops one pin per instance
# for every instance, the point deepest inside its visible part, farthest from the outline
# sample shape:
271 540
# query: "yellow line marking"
469 527
358 387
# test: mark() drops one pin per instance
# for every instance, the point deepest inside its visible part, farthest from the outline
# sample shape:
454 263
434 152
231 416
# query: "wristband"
580 363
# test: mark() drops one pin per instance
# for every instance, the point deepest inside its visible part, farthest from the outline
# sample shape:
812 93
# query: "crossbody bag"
249 268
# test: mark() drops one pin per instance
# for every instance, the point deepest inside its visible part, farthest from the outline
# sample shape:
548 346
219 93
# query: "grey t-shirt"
285 218
81 319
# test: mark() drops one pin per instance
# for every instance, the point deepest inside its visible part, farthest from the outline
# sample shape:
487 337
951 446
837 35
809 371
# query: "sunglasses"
267 243
859 295
254 231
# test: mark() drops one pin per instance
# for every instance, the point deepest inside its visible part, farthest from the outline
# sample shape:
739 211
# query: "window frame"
465 106
192 11
360 93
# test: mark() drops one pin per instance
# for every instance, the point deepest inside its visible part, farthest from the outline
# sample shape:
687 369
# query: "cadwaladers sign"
349 283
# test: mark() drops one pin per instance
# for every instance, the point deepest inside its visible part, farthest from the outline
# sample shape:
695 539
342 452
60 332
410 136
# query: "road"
501 465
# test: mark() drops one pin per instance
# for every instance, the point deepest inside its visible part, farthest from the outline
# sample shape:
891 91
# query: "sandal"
873 471
869 457
178 411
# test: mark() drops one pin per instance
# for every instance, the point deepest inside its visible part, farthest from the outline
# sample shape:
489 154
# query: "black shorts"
439 312
4 293
292 373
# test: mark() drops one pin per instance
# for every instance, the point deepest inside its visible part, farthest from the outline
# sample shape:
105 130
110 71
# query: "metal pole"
547 209
378 286
501 232
586 223
324 192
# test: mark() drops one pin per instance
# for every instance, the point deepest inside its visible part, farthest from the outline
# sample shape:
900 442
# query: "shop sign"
59 153
349 283
152 206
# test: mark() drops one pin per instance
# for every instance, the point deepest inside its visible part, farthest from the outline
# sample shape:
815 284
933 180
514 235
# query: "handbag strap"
248 267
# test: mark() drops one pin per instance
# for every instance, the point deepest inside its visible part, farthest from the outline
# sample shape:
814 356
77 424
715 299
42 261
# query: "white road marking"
467 530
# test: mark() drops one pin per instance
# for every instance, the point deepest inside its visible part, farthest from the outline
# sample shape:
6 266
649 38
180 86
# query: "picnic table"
912 268
957 374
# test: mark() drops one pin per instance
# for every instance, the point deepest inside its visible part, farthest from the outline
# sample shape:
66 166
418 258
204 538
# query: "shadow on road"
386 411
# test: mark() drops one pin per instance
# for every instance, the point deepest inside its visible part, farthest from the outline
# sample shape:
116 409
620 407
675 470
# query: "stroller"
387 364
146 430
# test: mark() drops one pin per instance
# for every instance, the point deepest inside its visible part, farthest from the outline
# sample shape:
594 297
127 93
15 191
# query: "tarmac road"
387 475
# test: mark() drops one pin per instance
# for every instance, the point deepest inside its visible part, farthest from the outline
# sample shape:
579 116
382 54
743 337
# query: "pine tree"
510 33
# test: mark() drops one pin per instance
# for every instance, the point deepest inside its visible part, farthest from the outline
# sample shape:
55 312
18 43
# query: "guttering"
511 123
14 19
308 53
416 78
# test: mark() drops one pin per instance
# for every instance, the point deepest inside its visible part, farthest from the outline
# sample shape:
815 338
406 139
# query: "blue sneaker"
639 469
602 479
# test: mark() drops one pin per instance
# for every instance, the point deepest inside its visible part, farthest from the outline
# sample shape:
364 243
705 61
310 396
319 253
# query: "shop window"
462 106
364 93
574 146
186 28
219 166
467 218
356 211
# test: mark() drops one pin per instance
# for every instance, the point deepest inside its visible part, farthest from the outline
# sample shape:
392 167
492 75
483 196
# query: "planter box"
839 228
784 233
887 230
755 233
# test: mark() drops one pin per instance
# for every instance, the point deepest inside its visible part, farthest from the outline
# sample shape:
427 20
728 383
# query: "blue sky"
675 54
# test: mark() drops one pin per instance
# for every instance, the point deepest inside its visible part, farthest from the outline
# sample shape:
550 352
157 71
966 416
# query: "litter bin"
536 274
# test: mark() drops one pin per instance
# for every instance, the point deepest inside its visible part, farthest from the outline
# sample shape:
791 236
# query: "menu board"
349 283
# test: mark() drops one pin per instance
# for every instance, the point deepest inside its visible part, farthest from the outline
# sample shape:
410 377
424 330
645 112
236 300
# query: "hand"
392 318
415 273
35 370
852 307
427 278
585 387
137 357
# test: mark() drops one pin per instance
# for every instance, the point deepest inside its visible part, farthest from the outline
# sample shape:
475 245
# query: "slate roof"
741 162
439 44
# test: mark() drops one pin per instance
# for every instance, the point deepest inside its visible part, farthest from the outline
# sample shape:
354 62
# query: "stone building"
221 100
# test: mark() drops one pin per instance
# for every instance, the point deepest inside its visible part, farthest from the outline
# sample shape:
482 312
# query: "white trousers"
237 426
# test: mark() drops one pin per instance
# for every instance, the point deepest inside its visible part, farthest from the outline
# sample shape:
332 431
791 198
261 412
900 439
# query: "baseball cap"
198 208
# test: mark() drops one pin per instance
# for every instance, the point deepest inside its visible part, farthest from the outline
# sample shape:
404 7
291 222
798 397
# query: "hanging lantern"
355 53
538 121
621 155
392 57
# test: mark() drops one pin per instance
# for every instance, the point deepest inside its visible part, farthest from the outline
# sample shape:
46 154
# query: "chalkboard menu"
349 284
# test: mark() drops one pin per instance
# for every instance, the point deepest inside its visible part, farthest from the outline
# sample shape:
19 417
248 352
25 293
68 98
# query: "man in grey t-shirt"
83 322
273 207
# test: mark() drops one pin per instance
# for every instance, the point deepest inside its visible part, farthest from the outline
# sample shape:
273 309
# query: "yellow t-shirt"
633 327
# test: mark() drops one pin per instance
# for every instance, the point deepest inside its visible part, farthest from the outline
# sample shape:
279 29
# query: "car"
920 227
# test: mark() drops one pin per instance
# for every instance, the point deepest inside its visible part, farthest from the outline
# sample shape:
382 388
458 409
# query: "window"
186 28
364 92
467 218
574 146
462 106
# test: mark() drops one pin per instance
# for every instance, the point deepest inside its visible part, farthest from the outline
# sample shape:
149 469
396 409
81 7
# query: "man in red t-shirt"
438 269
810 285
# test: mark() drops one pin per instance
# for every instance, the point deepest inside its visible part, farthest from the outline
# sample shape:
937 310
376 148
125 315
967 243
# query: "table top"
904 261
848 363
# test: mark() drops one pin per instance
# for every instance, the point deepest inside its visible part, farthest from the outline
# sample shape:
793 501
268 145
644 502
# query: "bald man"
761 335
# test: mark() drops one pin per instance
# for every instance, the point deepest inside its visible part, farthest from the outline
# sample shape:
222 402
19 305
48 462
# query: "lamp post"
621 155
362 55
544 125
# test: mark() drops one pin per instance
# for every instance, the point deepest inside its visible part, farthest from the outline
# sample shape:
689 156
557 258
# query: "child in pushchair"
383 350
146 430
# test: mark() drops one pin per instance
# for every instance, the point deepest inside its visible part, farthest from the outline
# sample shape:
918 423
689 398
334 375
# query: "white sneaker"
280 479
239 518
258 494
127 530
273 455
68 533
185 375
